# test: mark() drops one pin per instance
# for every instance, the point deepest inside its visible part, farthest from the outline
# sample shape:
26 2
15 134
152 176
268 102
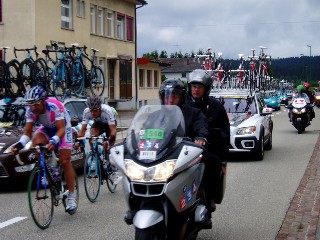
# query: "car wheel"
259 154
269 144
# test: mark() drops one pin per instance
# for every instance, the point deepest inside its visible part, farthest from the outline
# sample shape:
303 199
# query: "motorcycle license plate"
298 119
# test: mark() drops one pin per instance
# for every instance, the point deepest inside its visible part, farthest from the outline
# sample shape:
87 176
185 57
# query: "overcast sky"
285 27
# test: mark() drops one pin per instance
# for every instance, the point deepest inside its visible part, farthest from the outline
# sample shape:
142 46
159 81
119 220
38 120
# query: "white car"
250 122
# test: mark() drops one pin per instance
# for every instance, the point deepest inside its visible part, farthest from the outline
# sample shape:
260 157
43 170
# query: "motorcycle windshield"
154 130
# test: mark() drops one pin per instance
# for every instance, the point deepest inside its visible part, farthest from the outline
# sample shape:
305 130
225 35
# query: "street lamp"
309 46
303 63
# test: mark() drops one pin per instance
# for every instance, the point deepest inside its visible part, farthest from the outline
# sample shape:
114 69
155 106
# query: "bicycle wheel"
111 186
59 82
14 88
76 191
41 75
92 177
26 73
2 77
97 81
76 76
40 198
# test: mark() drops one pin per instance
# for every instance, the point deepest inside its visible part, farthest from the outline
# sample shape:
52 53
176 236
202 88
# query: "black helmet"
94 102
172 86
200 76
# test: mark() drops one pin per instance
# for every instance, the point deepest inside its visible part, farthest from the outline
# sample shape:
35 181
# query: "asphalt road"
257 197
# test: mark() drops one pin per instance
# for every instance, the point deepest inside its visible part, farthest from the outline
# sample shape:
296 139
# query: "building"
180 68
149 79
107 25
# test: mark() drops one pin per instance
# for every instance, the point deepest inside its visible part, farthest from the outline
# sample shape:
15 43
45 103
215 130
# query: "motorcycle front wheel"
151 233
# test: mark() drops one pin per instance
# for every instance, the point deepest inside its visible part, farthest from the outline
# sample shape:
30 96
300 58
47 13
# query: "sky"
232 27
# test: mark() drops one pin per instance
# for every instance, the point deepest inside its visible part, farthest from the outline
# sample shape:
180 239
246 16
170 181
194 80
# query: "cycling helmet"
94 102
300 87
202 77
35 94
172 86
306 85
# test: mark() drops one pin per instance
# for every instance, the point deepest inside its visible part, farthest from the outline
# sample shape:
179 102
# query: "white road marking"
11 221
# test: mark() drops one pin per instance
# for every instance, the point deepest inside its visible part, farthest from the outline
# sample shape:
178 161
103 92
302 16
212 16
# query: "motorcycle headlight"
295 111
303 110
246 130
157 173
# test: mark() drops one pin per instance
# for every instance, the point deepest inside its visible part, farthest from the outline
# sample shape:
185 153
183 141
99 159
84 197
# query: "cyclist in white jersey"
104 119
55 132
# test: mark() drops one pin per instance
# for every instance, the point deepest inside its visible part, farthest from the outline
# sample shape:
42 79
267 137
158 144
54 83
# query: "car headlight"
246 130
157 173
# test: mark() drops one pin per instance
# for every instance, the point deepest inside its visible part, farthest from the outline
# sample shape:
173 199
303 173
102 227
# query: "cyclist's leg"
65 148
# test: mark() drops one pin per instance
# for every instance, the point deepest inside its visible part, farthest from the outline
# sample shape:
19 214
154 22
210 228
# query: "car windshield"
12 115
239 105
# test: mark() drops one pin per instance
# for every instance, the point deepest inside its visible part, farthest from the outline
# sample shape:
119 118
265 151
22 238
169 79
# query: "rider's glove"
201 139
54 141
18 146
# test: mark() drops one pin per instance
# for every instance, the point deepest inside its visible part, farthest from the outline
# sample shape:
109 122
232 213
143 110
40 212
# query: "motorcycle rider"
199 86
173 92
301 94
311 99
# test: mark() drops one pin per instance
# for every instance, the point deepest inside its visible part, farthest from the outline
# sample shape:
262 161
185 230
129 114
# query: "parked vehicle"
317 99
272 100
163 174
299 114
12 123
251 125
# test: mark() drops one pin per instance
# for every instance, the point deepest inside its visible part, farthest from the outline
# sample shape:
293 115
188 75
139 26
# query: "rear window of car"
76 109
239 105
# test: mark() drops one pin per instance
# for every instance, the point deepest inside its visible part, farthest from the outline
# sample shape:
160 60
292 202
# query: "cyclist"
55 131
199 86
104 119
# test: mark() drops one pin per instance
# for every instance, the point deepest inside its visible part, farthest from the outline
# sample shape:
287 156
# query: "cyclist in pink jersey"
55 132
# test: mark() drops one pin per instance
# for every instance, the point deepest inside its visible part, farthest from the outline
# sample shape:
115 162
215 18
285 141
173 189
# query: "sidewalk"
302 218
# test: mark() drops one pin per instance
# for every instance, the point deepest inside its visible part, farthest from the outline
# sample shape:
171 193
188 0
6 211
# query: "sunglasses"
93 109
34 104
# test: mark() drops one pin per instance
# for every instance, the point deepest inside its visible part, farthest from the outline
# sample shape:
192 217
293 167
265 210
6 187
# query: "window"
129 28
66 14
155 79
141 78
101 21
120 26
81 8
125 77
110 24
184 75
93 19
149 80
0 11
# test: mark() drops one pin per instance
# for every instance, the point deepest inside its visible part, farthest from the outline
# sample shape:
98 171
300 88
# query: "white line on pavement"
11 221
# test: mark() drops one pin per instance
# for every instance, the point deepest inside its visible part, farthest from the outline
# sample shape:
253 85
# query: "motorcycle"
299 114
163 175
317 99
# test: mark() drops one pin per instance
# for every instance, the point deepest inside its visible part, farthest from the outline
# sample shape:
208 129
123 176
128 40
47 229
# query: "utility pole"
309 46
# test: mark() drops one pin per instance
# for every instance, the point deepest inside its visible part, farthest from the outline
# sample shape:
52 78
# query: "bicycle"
47 188
94 76
252 72
263 78
97 168
9 82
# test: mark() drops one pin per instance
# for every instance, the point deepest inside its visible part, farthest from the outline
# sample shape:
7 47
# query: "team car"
12 121
250 120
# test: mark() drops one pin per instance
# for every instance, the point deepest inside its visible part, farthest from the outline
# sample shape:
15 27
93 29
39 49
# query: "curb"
302 217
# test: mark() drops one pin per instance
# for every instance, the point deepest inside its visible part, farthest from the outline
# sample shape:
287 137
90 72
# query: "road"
257 197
